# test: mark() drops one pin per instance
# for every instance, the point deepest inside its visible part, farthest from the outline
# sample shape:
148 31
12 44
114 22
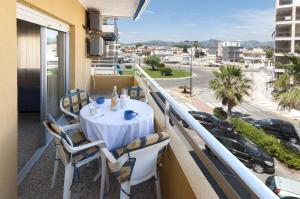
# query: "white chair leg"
125 188
69 171
56 163
157 185
103 172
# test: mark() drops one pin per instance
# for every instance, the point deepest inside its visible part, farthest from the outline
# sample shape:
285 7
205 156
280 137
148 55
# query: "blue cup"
100 100
129 114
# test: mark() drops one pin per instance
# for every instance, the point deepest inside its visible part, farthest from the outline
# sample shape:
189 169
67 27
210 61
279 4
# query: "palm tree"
230 86
287 92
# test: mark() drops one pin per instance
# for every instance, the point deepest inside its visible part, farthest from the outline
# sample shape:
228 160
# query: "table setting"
116 121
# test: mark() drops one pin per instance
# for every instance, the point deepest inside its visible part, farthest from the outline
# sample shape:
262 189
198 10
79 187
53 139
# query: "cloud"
191 24
151 12
247 25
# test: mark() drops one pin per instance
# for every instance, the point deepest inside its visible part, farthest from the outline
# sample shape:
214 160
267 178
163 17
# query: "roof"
116 8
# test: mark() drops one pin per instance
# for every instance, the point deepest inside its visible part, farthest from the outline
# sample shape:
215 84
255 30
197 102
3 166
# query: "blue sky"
178 20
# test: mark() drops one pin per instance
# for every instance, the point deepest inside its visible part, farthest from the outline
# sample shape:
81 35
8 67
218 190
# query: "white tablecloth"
112 128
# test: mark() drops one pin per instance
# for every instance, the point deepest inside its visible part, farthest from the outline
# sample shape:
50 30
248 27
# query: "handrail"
248 178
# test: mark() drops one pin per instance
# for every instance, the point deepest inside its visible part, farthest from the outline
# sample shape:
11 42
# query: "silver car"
284 187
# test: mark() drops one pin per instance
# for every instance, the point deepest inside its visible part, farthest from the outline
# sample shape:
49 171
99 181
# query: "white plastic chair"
71 156
145 167
79 103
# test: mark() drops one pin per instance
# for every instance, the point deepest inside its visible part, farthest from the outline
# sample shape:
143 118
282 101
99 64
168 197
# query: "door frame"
28 14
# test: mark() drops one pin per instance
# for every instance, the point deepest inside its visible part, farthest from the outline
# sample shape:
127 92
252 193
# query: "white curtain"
28 53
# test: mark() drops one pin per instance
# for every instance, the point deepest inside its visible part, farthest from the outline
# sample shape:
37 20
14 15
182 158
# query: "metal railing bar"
248 178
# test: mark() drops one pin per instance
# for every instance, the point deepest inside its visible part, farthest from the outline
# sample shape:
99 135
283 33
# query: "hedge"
166 71
269 143
220 113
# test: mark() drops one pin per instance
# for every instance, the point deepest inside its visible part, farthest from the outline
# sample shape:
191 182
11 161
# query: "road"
247 110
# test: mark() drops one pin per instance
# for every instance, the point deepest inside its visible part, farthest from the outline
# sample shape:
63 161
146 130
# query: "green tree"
230 86
185 49
287 86
153 61
269 53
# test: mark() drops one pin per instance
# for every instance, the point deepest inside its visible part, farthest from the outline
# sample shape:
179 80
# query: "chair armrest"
71 127
109 156
82 147
67 112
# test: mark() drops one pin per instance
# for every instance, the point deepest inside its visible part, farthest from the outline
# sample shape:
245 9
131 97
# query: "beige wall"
8 104
69 11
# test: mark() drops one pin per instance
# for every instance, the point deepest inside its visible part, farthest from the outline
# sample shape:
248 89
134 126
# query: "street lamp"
192 43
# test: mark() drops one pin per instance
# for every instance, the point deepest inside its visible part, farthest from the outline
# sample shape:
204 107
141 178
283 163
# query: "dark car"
281 129
292 146
209 121
247 152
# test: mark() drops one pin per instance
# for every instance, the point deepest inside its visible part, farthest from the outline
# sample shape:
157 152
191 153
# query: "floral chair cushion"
74 100
123 172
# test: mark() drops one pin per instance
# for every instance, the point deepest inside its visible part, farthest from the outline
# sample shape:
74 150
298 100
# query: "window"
227 143
205 119
287 129
270 182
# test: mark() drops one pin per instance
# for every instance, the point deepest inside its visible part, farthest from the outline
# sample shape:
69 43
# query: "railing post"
167 109
147 90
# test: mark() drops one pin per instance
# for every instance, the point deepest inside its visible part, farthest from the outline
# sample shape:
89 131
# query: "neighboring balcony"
283 31
285 2
110 32
283 46
284 14
297 30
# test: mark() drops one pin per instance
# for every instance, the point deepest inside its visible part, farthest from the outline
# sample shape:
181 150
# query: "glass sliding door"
56 70
29 91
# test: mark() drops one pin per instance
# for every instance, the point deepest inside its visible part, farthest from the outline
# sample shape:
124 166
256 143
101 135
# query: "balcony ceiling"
117 8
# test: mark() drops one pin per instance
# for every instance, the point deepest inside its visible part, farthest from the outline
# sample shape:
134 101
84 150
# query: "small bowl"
100 100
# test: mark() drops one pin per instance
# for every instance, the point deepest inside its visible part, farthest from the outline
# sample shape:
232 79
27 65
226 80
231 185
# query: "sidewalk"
263 99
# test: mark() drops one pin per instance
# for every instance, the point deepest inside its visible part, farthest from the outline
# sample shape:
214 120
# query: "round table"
111 127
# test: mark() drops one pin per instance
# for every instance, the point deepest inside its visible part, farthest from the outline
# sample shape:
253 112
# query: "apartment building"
287 33
228 51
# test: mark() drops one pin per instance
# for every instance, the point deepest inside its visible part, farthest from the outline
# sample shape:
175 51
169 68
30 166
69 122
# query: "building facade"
287 32
228 51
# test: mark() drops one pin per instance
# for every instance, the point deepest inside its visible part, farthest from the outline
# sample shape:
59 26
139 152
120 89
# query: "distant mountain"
211 44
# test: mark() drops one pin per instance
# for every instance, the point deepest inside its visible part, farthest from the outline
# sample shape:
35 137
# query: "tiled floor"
37 185
29 136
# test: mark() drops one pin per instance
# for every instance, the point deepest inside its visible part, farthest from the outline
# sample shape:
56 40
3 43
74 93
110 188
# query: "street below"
247 110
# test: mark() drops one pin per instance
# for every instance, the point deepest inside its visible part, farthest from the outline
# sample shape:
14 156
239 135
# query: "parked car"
293 146
281 129
284 187
209 121
247 152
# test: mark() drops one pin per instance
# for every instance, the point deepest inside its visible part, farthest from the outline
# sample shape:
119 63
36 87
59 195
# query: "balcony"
109 30
283 30
284 14
285 2
186 172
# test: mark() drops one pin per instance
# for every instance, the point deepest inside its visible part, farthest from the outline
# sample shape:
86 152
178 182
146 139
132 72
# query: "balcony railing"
282 50
172 110
283 34
285 2
284 18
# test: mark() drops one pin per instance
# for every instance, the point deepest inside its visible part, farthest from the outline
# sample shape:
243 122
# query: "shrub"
166 71
161 65
220 113
269 143
128 66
